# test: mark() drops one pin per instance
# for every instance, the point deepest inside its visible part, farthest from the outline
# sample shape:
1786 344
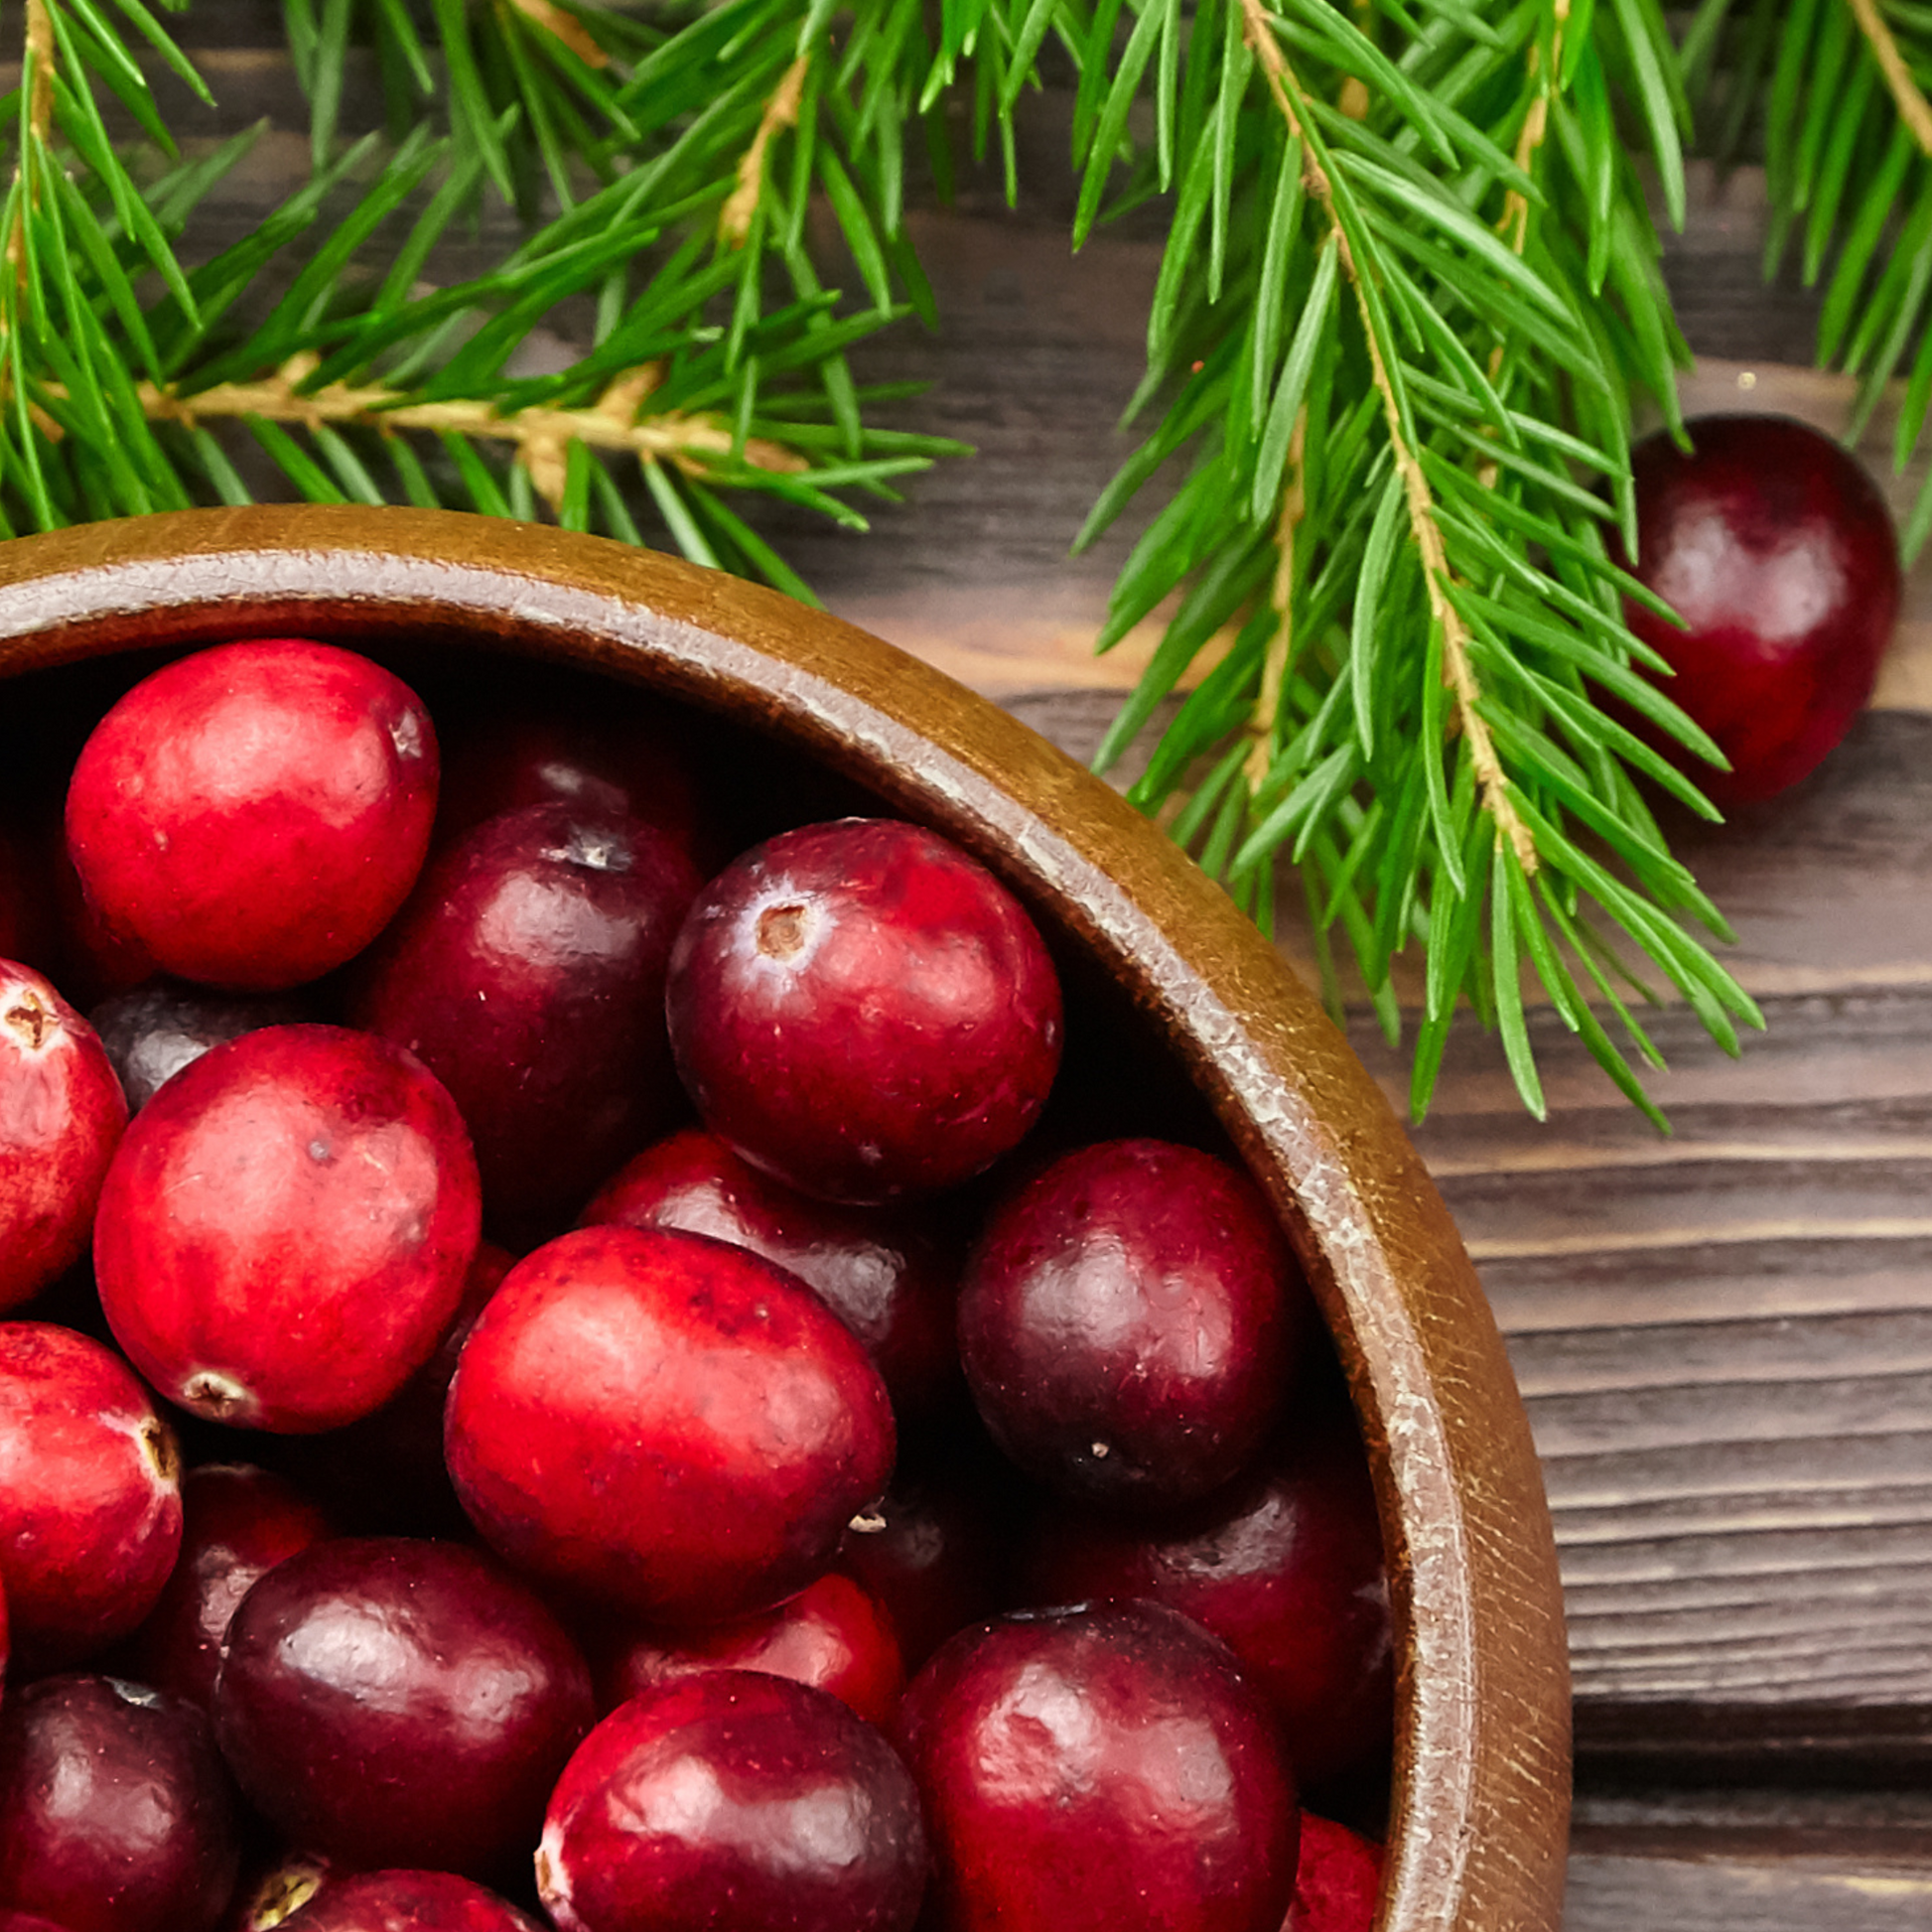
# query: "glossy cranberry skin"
90 1495
254 814
733 1800
863 1011
115 1812
407 1901
1129 1320
528 974
664 1421
835 1634
154 1030
884 1276
62 1114
1094 1768
1284 1566
1337 1879
237 1523
391 1701
286 1229
1777 550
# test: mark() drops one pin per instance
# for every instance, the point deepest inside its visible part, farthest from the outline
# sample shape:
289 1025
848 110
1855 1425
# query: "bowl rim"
1482 1786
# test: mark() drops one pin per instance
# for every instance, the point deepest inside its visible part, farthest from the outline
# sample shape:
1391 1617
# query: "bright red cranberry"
1129 1320
835 1633
90 1505
863 1011
285 1230
1337 1879
154 1030
734 1798
528 974
1776 549
884 1276
237 1523
251 815
1100 1767
394 1701
406 1901
62 1113
666 1421
115 1813
1284 1566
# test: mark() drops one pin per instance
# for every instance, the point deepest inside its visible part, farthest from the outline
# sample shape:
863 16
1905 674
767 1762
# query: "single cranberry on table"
834 1634
406 1901
1284 1566
115 1812
91 1501
286 1227
1129 1320
879 1270
237 1523
62 1116
154 1030
527 973
254 814
1099 1767
734 1799
392 1701
863 1011
666 1422
1776 549
1337 1879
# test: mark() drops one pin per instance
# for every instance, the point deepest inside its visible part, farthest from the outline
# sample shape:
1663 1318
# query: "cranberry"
251 815
389 1701
1094 1768
406 1901
91 1506
734 1798
1285 1567
1337 1879
527 973
237 1523
286 1227
154 1030
62 1113
884 1276
664 1420
1776 549
115 1814
1128 1322
835 1634
863 1011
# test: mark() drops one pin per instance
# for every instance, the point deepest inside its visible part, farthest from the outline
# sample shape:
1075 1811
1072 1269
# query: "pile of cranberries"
571 1356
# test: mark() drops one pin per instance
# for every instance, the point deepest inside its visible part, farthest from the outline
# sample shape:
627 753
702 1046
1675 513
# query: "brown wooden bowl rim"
1481 1805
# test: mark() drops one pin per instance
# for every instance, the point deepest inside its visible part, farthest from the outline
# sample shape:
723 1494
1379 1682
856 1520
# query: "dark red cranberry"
90 1505
154 1030
286 1229
252 815
407 1901
665 1421
62 1114
835 1633
237 1523
1776 549
527 973
1094 1768
863 1011
734 1798
394 1701
1285 1567
27 1922
1337 1879
1129 1320
884 1276
115 1813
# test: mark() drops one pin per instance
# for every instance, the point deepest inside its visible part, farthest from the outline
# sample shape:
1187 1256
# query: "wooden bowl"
1481 1793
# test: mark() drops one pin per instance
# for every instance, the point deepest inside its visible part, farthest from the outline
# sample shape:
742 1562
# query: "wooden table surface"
1724 1340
